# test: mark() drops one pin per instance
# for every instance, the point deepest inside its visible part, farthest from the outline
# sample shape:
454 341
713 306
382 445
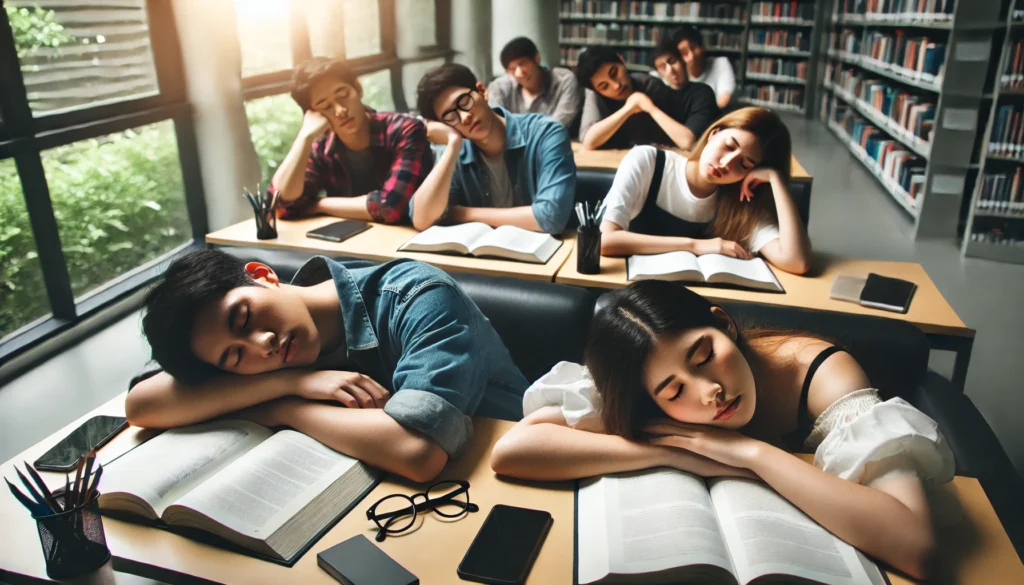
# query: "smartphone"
92 434
506 546
339 231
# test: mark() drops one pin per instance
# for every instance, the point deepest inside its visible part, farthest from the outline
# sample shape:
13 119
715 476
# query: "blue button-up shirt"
410 327
538 155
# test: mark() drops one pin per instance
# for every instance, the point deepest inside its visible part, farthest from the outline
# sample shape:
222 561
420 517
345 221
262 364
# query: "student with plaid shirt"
367 163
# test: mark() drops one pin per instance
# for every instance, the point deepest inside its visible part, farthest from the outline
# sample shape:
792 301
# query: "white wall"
535 19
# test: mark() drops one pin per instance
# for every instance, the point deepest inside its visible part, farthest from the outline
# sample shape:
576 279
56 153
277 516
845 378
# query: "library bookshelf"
908 93
771 45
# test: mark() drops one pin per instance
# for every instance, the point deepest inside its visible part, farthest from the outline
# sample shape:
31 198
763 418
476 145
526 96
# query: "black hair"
666 46
172 305
622 335
436 81
309 71
687 33
590 60
517 48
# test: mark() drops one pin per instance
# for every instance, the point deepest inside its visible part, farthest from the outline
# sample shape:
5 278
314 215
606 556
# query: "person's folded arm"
597 128
298 179
680 135
430 202
618 242
344 207
521 217
791 251
411 165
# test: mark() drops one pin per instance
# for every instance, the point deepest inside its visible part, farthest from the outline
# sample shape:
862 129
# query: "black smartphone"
506 546
92 434
339 231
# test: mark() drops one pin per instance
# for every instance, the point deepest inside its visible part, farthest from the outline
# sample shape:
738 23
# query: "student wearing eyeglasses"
491 166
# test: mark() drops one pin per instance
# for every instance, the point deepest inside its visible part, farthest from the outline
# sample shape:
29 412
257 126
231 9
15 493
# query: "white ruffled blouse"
859 437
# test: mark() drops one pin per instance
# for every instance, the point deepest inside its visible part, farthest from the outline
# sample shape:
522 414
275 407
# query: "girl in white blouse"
671 381
710 203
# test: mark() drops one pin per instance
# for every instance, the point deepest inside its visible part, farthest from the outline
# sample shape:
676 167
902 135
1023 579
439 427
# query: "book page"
268 485
726 269
512 238
174 462
660 519
677 265
441 237
768 535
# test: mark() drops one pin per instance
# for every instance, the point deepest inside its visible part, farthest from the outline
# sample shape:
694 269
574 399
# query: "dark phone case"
891 294
339 231
78 442
357 561
526 566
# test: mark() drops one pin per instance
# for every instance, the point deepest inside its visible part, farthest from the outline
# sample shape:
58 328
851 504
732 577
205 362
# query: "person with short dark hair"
368 163
621 110
717 72
492 166
383 362
669 66
532 88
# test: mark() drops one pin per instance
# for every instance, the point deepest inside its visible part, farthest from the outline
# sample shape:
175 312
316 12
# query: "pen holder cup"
73 542
266 225
588 251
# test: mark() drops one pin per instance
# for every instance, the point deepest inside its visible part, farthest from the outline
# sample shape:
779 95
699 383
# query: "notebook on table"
875 291
479 239
667 526
237 485
711 269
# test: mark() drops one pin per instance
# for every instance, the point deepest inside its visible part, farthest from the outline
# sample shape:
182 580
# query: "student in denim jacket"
383 362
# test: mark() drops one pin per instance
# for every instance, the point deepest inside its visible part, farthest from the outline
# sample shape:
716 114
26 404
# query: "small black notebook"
357 561
890 294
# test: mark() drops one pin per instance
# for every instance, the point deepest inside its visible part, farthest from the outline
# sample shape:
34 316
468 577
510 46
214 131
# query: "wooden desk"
929 310
611 159
975 550
380 243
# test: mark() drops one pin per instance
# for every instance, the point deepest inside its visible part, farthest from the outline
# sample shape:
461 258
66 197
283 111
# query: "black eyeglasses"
465 103
396 513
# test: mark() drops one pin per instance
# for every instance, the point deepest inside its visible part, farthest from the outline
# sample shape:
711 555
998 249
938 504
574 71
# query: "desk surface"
929 310
611 159
974 550
380 243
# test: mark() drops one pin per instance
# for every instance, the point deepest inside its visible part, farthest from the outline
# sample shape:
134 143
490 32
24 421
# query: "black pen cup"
73 541
588 250
266 225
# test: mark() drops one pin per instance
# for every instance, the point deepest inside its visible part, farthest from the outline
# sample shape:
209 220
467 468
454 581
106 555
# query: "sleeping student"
708 203
671 381
385 363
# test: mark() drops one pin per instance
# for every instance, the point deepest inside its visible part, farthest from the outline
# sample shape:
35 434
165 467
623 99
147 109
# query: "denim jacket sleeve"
556 180
441 375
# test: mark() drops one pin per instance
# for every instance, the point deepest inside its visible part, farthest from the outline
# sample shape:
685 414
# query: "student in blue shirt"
495 167
385 363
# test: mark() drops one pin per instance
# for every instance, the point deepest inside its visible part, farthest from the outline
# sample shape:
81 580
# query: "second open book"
709 268
479 239
667 526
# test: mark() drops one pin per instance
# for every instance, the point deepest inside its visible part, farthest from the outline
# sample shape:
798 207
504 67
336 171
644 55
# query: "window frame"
25 135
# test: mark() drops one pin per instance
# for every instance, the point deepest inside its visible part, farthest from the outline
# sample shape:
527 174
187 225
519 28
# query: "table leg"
962 347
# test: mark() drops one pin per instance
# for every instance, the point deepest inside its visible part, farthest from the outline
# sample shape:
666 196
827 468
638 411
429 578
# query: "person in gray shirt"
530 88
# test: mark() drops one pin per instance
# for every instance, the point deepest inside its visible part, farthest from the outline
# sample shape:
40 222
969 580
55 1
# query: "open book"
480 239
709 268
272 494
667 526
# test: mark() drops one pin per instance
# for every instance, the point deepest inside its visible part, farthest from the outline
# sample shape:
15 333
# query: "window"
263 34
73 55
22 292
411 75
274 121
119 202
377 90
417 27
362 28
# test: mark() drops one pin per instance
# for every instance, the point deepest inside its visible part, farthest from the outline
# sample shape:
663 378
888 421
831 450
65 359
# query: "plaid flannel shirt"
402 159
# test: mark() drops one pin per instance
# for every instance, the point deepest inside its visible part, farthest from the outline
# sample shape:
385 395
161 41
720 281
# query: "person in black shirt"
621 110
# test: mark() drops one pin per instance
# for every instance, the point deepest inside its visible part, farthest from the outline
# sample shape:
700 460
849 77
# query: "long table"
975 549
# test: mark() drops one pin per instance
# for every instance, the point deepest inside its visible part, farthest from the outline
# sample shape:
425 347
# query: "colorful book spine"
1001 193
778 67
1012 76
1007 136
641 10
791 11
791 40
899 10
775 94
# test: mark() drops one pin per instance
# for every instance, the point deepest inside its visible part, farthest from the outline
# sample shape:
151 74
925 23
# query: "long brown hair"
734 219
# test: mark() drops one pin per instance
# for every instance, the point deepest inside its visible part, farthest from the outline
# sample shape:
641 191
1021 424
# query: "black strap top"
804 425
655 221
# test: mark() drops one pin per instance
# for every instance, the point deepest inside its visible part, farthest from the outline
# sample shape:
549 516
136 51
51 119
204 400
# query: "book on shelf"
909 111
783 40
781 67
1007 136
712 269
882 10
916 56
1002 193
604 33
888 157
783 95
1012 76
782 11
666 526
238 485
479 239
682 11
